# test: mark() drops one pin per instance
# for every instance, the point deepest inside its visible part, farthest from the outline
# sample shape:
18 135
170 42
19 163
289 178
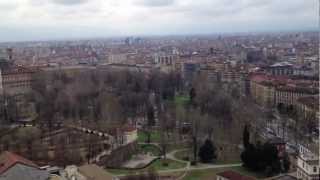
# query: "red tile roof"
231 175
17 70
259 77
284 83
8 159
129 129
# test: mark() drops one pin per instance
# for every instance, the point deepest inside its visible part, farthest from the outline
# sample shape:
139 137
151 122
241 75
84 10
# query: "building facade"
16 80
307 165
270 91
308 107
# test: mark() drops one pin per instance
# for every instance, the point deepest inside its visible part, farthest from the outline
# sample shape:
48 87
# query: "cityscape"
186 101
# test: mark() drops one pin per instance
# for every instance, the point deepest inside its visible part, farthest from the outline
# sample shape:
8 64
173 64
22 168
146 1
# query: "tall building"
5 58
166 62
6 54
14 80
282 68
189 70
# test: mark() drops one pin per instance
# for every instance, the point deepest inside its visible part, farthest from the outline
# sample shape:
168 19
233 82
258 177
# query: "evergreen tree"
150 116
192 95
246 137
286 163
207 152
262 158
248 156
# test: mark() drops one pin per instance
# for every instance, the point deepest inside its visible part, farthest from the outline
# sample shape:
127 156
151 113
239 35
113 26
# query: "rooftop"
17 70
8 159
285 83
281 64
310 101
14 167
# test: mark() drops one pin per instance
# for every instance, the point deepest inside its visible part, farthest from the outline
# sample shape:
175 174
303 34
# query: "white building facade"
307 165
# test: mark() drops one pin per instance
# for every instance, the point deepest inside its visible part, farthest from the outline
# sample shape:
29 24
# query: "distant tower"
9 54
4 59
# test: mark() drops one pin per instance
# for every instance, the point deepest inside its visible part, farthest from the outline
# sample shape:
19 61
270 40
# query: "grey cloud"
292 7
8 6
155 3
70 2
171 16
233 8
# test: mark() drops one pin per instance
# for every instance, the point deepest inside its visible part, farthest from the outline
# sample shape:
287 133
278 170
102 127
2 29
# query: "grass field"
207 174
157 165
171 164
186 154
142 136
181 100
149 148
183 154
233 161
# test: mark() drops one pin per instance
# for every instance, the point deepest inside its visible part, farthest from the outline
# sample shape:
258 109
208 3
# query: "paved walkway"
139 161
171 154
200 168
99 156
188 168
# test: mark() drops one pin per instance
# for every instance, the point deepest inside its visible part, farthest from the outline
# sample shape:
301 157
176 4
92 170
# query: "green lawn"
172 147
181 100
171 164
120 171
149 148
233 161
142 136
209 174
183 154
156 165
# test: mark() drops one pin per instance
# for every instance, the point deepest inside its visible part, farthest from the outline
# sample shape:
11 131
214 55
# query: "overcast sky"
58 19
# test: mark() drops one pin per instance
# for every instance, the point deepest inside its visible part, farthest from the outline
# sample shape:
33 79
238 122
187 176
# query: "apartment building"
270 91
307 165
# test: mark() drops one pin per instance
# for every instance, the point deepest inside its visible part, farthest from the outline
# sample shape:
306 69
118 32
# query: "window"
314 169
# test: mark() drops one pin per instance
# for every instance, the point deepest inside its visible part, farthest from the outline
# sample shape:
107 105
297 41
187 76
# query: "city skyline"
25 20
